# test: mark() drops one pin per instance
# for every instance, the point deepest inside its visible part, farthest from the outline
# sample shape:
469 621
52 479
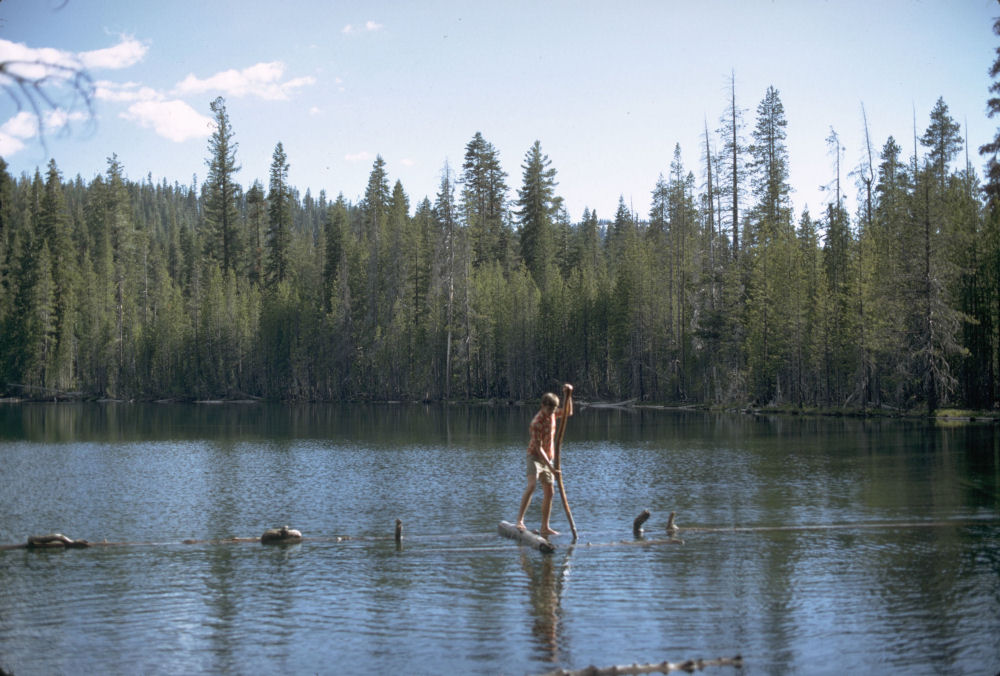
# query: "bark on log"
526 537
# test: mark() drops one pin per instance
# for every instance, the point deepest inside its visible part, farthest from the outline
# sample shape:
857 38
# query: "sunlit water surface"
815 546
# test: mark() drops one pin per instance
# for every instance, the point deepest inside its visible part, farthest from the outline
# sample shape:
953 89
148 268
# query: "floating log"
54 541
526 537
639 520
664 667
278 536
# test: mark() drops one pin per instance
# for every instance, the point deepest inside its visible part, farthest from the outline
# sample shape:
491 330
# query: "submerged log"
664 667
526 537
283 535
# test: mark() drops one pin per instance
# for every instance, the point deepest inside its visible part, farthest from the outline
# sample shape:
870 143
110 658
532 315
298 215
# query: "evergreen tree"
732 164
54 230
769 166
537 207
484 200
991 150
256 210
336 227
943 139
223 242
375 215
277 265
118 215
445 217
768 239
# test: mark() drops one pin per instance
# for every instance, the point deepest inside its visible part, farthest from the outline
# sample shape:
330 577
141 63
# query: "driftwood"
526 537
664 667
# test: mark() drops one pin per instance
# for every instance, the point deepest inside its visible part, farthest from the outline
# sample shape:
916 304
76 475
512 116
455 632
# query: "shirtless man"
541 455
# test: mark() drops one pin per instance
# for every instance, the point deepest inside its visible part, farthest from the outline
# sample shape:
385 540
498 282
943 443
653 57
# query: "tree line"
718 295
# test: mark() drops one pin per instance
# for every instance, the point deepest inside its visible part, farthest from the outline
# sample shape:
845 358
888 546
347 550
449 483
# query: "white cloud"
9 145
58 118
358 157
173 120
407 162
22 126
124 92
32 63
315 110
370 26
126 53
35 63
262 80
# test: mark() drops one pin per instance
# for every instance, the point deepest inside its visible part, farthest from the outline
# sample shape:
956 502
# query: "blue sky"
608 88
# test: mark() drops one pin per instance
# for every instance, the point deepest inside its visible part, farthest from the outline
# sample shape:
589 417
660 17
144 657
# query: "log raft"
526 537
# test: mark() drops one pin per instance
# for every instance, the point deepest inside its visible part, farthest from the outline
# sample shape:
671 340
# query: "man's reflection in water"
545 587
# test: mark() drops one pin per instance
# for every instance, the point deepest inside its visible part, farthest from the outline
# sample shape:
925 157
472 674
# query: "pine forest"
715 294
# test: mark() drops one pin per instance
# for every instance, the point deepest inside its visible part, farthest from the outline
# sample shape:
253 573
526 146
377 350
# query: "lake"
807 545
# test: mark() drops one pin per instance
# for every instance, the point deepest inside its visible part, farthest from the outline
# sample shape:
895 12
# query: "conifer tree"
768 241
943 139
537 207
256 211
336 230
732 164
484 200
445 217
991 150
223 242
276 267
53 228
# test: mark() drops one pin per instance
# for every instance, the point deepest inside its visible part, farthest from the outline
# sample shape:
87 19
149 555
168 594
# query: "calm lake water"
816 546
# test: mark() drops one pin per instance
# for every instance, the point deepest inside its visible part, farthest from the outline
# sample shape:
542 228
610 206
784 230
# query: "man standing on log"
541 454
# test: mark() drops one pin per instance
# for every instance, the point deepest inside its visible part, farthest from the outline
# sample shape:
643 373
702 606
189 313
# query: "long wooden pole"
558 460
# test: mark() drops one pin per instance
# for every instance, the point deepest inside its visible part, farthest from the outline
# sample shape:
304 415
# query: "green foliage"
135 290
279 210
224 239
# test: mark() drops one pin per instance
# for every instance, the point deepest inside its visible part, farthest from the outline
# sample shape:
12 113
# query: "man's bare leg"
547 493
525 501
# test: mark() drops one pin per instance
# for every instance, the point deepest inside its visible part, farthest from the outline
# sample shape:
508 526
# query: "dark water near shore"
815 546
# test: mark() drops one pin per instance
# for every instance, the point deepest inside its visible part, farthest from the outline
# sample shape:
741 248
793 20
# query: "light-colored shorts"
540 470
